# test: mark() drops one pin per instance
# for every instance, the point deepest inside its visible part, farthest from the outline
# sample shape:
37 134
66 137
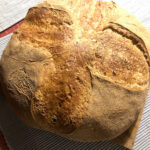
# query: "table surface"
18 136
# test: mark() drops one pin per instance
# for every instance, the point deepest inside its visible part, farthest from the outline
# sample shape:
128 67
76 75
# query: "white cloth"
12 11
21 137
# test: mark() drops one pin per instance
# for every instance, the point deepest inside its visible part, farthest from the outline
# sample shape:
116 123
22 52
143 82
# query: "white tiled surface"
11 11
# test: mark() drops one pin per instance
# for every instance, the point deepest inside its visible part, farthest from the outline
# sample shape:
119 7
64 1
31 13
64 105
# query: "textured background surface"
21 137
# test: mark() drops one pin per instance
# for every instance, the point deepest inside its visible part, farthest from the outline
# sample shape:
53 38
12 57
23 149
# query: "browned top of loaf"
74 52
56 30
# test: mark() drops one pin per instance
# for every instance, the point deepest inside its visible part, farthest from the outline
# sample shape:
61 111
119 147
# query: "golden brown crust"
83 75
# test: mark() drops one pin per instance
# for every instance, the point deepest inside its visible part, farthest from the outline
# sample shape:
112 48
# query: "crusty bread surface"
78 68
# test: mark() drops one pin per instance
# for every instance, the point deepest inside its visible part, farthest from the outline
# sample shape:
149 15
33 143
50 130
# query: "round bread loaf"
78 68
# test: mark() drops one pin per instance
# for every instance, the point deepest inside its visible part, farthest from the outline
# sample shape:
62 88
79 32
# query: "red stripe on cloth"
3 145
10 29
